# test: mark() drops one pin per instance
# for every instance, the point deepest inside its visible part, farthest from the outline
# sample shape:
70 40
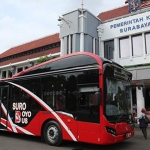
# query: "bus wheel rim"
52 133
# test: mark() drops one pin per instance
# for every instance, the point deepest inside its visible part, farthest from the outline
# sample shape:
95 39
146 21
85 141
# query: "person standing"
135 110
142 124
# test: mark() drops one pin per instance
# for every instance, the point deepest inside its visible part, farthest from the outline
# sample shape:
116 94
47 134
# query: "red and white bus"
79 97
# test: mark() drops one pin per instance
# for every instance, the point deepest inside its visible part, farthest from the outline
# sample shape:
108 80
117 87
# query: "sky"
22 21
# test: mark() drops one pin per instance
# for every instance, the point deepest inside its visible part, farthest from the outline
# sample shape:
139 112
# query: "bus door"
88 117
4 97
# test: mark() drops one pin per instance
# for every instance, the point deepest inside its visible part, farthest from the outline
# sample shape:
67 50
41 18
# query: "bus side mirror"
97 96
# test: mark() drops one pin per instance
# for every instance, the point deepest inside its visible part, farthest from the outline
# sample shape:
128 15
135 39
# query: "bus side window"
60 102
88 110
82 100
71 102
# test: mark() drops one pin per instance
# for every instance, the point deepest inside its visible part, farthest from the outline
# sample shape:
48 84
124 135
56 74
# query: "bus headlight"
111 130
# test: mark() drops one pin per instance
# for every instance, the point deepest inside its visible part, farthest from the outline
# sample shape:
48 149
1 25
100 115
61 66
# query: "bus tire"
52 133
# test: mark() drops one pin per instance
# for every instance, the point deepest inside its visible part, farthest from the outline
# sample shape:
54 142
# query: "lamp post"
61 19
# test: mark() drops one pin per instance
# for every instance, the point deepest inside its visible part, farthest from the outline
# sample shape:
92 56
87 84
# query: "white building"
126 40
120 36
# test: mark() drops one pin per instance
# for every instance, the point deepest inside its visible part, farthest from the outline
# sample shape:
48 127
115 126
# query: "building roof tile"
31 56
113 13
31 45
120 11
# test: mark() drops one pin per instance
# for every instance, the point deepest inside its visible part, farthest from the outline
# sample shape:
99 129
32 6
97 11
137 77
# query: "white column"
100 31
101 52
144 47
116 50
82 17
81 42
130 47
140 101
7 73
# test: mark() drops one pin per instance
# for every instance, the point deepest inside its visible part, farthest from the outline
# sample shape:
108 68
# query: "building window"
57 44
19 69
26 67
147 39
124 47
71 43
67 44
9 74
137 45
3 74
109 49
96 47
49 46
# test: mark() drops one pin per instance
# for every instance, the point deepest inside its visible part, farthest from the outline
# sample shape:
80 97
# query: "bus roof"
68 61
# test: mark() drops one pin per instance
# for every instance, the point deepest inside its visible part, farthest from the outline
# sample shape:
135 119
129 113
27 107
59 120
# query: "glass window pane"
137 45
124 48
109 49
74 61
147 42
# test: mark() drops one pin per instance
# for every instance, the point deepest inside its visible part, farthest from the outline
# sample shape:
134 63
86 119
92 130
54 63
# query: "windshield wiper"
120 117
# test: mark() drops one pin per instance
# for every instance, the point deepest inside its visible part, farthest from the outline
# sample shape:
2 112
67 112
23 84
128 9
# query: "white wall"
135 23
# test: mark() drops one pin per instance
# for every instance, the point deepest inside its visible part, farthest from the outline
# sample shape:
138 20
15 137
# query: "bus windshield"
118 99
117 94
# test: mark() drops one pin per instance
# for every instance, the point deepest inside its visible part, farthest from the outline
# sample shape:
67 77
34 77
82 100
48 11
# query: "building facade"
125 39
26 55
116 34
121 36
78 32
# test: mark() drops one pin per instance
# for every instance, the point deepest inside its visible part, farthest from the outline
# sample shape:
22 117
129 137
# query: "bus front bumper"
113 139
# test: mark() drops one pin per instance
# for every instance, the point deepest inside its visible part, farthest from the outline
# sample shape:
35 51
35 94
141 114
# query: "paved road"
9 141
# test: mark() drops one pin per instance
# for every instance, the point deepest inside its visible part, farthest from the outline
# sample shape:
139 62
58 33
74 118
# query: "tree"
44 58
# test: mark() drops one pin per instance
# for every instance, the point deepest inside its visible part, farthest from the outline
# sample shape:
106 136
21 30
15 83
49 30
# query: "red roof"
31 45
34 55
121 11
145 4
113 13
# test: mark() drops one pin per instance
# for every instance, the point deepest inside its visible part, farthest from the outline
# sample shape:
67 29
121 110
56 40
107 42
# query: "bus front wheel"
52 133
